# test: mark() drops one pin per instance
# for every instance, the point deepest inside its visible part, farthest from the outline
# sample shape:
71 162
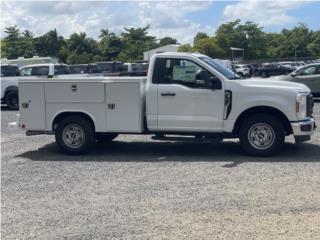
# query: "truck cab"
186 96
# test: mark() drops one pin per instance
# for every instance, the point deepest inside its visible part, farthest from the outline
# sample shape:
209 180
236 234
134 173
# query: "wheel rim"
261 136
73 135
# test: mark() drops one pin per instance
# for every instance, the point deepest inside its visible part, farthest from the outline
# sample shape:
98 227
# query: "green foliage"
200 35
209 46
132 42
185 48
167 40
16 44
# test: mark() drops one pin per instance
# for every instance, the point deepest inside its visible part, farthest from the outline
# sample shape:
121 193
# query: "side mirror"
215 83
202 78
293 74
202 75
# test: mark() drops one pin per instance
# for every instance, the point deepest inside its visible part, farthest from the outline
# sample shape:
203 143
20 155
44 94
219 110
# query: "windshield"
220 68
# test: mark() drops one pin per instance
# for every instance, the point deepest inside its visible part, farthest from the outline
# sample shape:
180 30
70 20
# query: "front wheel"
75 135
261 135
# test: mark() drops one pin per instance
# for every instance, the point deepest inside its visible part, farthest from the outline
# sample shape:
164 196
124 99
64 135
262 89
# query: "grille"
310 104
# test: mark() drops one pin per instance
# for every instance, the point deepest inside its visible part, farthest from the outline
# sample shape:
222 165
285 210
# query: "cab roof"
182 54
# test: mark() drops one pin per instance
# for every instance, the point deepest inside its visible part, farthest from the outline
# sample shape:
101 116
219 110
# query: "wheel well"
9 89
63 115
266 110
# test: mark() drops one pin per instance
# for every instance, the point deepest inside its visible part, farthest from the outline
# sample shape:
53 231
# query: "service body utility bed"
114 105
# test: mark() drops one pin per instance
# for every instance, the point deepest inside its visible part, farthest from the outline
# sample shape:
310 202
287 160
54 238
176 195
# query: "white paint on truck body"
137 104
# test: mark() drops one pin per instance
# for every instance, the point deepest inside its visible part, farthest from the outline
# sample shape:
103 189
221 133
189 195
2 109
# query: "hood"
275 83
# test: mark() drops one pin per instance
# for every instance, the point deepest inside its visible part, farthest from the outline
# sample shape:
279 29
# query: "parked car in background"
9 70
110 66
47 69
84 68
134 69
308 75
242 70
9 92
273 69
252 68
9 84
295 65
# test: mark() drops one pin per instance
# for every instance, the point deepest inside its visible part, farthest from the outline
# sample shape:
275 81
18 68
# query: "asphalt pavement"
137 188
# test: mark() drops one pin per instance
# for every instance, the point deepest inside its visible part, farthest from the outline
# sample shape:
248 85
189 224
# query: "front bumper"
303 128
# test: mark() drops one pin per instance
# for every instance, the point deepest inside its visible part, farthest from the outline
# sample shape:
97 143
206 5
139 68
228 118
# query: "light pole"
295 53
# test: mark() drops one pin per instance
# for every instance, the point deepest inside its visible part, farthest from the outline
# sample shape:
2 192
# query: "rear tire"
12 100
106 137
75 135
261 135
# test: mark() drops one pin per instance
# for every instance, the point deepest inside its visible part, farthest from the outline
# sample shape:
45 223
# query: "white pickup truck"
9 85
186 96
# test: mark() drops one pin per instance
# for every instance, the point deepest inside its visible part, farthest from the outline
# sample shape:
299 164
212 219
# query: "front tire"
261 135
75 135
12 100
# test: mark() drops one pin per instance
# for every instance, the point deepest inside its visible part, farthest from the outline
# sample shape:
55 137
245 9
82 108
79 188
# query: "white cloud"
165 18
265 13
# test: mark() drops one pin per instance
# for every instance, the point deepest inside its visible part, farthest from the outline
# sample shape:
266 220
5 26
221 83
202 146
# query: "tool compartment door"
32 105
124 107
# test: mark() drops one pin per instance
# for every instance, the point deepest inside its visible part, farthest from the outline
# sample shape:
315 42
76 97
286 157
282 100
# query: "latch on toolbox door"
111 106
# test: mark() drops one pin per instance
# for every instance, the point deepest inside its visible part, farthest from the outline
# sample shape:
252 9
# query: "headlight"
301 106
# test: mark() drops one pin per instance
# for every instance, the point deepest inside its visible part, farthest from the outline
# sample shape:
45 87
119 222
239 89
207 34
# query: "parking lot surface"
136 188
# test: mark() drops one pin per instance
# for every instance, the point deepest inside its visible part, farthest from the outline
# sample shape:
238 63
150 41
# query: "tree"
209 46
105 33
314 46
49 44
110 45
167 40
200 35
135 42
11 42
17 44
185 48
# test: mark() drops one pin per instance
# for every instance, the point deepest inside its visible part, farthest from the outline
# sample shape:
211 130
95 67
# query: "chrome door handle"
168 94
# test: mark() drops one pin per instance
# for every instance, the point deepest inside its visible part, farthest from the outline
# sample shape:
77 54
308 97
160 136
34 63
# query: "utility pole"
295 53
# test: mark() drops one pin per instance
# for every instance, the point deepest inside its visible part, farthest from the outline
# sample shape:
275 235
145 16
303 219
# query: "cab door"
184 101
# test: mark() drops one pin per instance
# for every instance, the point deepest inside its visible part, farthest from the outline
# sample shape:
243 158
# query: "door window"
309 71
183 72
40 71
26 71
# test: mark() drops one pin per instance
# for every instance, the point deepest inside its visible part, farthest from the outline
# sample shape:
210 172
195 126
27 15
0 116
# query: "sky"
177 19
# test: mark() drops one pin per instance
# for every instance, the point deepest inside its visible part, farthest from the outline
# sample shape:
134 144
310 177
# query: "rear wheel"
75 135
261 135
12 100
